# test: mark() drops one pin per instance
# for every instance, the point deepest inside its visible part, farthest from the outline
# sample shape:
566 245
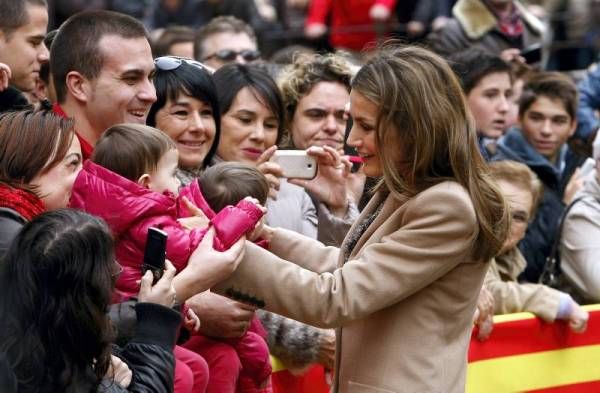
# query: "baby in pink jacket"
130 182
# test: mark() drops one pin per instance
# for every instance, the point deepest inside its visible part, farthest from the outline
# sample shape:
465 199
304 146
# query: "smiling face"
189 122
123 91
364 113
247 129
23 50
547 125
54 186
489 102
319 119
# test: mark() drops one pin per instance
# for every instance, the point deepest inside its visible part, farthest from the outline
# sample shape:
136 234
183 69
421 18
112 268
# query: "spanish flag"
524 354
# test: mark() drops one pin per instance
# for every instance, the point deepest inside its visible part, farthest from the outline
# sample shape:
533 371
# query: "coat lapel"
390 204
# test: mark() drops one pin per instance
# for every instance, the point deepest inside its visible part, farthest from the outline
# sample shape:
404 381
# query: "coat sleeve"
304 251
149 354
589 103
332 230
511 296
580 249
431 239
449 39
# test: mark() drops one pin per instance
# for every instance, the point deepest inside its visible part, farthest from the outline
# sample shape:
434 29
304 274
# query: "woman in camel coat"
403 287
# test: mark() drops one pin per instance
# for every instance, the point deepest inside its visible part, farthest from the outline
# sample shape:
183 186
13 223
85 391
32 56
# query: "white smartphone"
296 164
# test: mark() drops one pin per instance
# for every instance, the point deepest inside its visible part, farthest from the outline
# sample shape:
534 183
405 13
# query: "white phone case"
296 164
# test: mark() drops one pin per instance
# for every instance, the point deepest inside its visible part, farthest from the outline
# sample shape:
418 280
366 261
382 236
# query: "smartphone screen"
155 253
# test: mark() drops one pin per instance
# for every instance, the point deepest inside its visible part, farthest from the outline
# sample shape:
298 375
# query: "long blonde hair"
424 115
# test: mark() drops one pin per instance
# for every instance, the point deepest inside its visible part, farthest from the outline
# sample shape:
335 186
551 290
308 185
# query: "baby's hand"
256 233
257 203
191 321
194 222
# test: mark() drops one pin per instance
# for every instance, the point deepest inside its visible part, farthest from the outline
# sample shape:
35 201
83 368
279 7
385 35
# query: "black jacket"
541 231
11 223
149 355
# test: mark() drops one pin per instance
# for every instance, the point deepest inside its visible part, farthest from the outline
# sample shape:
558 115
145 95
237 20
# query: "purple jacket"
129 210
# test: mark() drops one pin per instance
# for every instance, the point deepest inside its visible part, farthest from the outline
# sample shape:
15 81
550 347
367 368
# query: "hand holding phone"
155 253
532 54
296 164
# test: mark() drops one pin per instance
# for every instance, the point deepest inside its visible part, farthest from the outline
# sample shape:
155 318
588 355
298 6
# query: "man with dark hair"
224 40
547 111
23 25
487 83
102 68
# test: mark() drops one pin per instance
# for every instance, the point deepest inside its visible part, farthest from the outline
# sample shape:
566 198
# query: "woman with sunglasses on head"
402 290
57 280
187 110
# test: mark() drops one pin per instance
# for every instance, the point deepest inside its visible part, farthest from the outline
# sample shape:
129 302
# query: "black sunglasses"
170 63
230 55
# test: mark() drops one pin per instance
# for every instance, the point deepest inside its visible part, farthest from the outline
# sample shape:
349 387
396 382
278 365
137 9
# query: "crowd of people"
456 179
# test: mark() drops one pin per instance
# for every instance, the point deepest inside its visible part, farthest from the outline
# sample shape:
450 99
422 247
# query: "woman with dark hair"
57 280
402 290
39 161
253 117
252 126
187 110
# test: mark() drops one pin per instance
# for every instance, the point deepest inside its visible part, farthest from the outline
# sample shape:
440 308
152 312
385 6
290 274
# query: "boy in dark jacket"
547 119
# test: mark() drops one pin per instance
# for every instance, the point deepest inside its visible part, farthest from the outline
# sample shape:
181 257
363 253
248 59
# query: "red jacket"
344 14
129 210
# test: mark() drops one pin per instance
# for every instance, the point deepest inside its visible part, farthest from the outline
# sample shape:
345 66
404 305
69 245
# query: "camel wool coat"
403 303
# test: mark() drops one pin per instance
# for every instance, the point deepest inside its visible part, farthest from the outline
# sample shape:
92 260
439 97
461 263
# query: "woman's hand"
259 227
119 372
271 170
162 292
197 220
330 184
484 314
578 319
207 266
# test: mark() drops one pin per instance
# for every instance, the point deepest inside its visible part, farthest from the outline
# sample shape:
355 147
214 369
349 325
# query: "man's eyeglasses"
230 55
170 63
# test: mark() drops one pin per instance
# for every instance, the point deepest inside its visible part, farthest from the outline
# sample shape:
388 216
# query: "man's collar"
86 148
